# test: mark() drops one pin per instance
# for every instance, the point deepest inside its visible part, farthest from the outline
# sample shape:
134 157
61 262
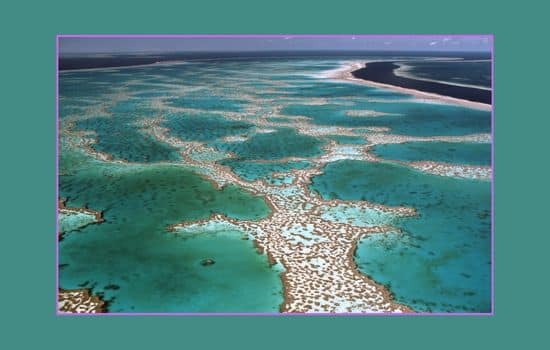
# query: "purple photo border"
58 313
57 175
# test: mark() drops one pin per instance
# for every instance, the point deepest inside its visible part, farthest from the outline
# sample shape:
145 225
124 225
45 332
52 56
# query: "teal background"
28 186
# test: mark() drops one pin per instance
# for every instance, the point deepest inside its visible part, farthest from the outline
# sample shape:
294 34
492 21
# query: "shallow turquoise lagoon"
284 142
448 152
88 84
141 267
204 127
208 102
132 107
251 171
172 192
405 118
120 137
332 89
165 274
151 94
71 221
442 259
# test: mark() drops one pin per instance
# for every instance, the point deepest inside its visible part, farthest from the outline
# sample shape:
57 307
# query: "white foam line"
404 72
344 74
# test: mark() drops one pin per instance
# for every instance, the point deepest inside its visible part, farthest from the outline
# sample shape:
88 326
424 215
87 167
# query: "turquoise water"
121 138
72 221
251 171
448 152
204 127
357 216
284 142
208 102
281 180
442 260
165 274
156 271
411 118
333 89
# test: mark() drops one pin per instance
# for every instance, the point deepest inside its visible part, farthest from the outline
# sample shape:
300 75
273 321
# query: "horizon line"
267 50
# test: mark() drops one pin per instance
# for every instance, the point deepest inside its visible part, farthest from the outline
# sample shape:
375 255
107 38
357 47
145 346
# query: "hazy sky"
71 45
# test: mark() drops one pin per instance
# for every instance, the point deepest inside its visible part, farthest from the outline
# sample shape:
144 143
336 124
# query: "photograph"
274 174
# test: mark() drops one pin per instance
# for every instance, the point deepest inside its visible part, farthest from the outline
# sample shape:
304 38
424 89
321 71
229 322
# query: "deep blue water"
459 72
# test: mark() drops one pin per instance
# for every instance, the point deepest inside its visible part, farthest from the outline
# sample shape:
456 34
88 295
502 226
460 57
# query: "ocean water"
251 171
281 143
204 127
361 217
475 73
205 101
154 270
405 118
447 152
438 262
441 260
121 138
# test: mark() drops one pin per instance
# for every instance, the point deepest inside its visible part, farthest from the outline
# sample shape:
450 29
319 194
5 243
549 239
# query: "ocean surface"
446 152
440 261
385 72
468 72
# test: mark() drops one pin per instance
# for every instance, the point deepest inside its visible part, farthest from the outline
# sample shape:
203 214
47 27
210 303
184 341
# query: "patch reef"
96 217
316 252
80 301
